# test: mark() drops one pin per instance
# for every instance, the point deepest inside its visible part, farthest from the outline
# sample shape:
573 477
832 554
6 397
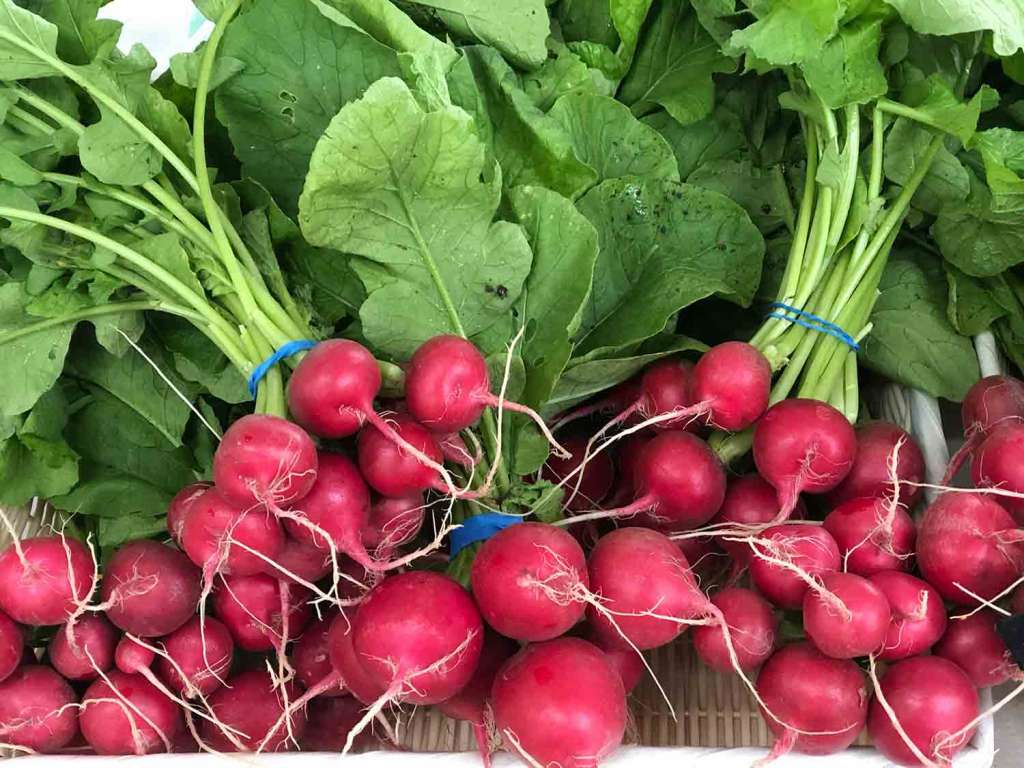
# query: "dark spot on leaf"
488 289
663 229
766 209
515 312
289 114
501 291
288 96
721 246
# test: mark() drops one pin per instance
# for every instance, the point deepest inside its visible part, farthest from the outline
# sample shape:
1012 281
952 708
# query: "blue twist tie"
812 322
480 528
285 350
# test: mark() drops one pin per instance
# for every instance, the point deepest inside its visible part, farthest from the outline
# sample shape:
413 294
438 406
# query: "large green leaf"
718 136
789 31
978 240
847 69
664 245
36 461
410 191
1002 151
972 307
1004 18
25 40
81 36
947 182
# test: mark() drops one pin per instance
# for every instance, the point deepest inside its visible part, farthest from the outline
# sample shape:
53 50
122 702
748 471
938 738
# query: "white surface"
165 27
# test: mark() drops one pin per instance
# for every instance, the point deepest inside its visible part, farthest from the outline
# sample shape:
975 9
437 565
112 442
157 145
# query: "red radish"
587 488
303 560
331 391
216 530
703 555
849 620
264 459
992 402
12 646
312 660
809 549
803 446
732 380
680 482
627 460
750 500
393 522
455 450
629 666
974 645
180 507
918 615
91 636
560 702
254 704
933 700
665 386
37 709
390 469
128 715
150 589
753 628
997 464
968 539
198 657
130 657
530 581
873 535
645 588
418 634
807 691
358 680
252 608
869 475
44 579
472 702
330 722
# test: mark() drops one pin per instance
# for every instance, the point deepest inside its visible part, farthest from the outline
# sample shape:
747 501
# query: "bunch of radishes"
549 640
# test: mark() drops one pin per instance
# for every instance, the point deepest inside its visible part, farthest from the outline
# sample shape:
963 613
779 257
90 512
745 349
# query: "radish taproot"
873 535
150 589
127 715
197 657
130 657
849 618
974 645
880 444
83 649
918 615
45 579
37 710
753 627
786 557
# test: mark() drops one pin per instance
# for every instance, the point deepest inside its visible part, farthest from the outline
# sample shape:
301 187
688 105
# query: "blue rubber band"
480 528
285 350
812 322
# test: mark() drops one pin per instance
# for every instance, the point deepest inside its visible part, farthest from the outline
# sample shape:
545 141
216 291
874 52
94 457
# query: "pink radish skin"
749 500
974 645
703 555
389 469
130 657
753 628
992 402
331 392
932 698
803 446
626 661
93 636
251 609
213 524
560 702
34 711
997 464
733 380
407 626
918 615
252 704
869 475
527 579
264 459
304 560
180 507
856 628
665 386
200 651
12 646
969 539
150 589
811 692
393 522
311 657
636 570
43 590
808 547
872 535
627 461
330 722
113 728
358 680
588 488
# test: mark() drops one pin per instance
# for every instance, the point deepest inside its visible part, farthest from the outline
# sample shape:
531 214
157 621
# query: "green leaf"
198 360
82 37
847 69
115 497
185 69
912 341
587 20
116 154
978 240
789 31
718 136
1005 19
403 188
112 329
664 246
37 461
947 181
299 69
328 281
628 17
16 170
674 65
934 99
1002 152
972 308
762 192
562 74
23 37
607 137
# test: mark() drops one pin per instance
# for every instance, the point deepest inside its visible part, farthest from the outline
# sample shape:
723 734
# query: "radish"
180 506
974 645
560 703
967 542
216 534
587 488
665 386
357 679
312 660
530 581
786 557
997 464
37 710
850 619
127 715
933 701
703 555
618 398
196 657
873 535
130 657
150 589
732 381
254 705
298 559
869 477
626 662
627 460
78 650
393 522
252 608
918 615
264 459
803 446
330 723
12 646
750 500
390 469
44 579
821 703
753 627
992 402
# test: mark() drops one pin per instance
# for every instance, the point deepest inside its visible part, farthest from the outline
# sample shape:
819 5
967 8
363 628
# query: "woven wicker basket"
718 724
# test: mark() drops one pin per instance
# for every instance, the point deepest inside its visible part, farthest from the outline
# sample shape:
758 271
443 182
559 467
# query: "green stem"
30 120
89 313
852 148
